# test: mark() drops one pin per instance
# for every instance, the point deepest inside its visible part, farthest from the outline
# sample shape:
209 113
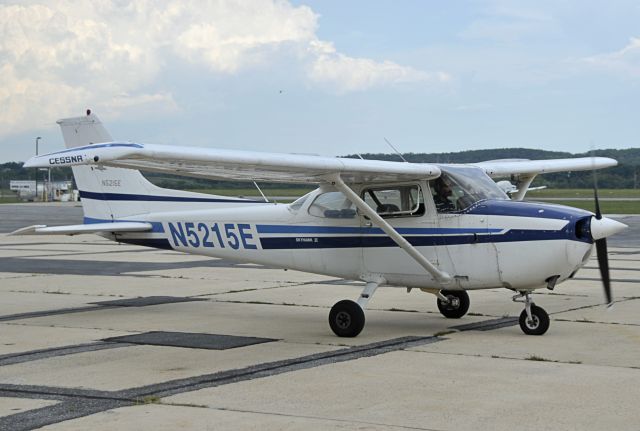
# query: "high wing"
235 165
501 168
289 168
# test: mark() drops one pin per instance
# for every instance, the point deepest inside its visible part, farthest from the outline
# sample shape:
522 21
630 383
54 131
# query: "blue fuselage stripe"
302 229
540 210
342 242
513 235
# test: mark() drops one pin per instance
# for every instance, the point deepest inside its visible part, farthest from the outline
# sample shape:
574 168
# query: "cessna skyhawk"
440 228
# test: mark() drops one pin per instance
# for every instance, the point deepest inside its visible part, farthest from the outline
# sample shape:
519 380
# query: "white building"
54 191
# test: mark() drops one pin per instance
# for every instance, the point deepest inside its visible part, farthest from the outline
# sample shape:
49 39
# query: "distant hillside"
623 176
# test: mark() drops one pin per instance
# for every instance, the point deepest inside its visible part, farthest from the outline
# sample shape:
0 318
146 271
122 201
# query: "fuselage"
492 243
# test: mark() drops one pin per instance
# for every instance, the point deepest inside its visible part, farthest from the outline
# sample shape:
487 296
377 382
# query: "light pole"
36 195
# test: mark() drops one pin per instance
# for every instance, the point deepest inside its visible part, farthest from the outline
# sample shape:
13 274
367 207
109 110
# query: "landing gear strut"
533 319
346 317
453 304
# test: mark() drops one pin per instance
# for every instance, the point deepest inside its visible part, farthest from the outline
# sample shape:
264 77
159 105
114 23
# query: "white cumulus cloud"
352 74
58 57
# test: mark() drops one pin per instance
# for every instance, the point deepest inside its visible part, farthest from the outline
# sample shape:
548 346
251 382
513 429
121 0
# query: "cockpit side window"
332 205
395 201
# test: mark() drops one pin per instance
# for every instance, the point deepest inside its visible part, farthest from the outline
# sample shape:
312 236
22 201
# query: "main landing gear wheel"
346 318
537 324
457 304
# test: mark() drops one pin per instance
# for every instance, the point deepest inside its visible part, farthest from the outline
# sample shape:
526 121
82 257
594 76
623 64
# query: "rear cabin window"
395 201
332 205
297 204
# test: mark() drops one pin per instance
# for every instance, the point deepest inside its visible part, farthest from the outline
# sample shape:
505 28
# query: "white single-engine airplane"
441 228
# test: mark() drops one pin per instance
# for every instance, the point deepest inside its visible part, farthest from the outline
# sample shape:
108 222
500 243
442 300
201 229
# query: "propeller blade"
597 202
595 195
603 264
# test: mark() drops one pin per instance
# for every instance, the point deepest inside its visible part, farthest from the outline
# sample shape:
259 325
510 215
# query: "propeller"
601 248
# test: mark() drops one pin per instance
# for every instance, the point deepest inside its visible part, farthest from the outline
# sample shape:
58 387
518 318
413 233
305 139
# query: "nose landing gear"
533 319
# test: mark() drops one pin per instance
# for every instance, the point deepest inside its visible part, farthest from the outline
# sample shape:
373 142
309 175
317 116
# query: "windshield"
460 187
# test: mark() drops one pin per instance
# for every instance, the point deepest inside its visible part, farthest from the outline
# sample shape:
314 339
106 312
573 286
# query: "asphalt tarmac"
97 335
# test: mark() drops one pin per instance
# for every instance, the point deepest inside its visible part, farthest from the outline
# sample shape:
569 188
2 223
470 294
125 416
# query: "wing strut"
523 186
440 276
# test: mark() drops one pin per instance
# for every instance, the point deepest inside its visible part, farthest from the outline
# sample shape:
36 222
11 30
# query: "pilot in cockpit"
442 196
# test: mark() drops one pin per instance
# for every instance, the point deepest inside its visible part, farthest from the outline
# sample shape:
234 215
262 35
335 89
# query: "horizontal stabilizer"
77 229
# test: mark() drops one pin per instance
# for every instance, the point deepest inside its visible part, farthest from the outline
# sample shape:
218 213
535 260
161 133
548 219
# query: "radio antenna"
394 149
265 198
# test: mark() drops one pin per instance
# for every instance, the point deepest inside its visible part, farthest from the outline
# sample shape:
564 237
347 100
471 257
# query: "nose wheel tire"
346 318
538 324
457 306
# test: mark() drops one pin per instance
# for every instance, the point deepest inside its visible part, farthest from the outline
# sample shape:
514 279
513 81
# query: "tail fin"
114 193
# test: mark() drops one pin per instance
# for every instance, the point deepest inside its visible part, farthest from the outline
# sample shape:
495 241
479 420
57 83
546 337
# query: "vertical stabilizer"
95 183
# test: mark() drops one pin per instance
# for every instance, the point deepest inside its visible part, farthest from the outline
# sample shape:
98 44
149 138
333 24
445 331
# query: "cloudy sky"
327 76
